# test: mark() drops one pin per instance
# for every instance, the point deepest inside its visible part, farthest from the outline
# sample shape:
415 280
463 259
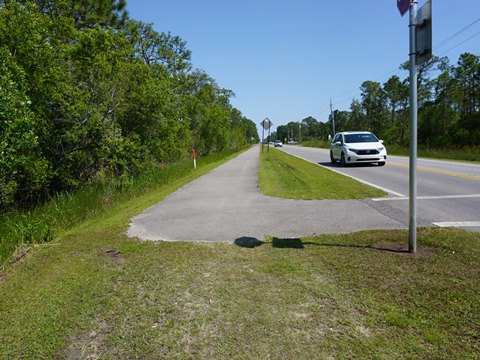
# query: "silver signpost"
412 233
420 25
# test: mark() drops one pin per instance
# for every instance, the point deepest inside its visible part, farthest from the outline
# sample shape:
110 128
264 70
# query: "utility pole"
332 114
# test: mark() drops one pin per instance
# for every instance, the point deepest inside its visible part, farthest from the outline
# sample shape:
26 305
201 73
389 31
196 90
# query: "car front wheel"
381 163
342 160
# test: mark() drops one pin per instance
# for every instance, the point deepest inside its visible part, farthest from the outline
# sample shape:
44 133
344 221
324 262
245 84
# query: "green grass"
66 211
94 293
98 294
284 175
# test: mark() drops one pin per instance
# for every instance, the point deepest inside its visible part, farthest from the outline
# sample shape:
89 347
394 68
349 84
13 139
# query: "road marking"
457 224
442 172
365 182
438 197
359 180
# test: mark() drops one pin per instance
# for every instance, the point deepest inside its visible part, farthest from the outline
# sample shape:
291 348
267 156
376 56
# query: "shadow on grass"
251 242
296 243
293 243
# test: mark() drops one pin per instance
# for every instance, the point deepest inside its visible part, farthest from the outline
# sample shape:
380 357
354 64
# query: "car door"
337 149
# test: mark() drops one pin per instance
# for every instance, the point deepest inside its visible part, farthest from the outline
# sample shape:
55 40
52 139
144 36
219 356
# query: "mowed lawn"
284 175
94 293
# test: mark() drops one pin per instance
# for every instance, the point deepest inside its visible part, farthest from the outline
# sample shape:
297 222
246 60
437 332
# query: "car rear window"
360 138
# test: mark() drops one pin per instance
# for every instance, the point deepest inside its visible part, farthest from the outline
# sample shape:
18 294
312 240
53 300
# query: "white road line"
457 224
366 182
439 197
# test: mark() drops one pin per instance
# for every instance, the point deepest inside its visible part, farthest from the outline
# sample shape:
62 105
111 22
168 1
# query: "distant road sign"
266 123
403 6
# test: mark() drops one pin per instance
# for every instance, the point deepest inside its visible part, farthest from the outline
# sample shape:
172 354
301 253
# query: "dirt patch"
113 254
423 252
87 343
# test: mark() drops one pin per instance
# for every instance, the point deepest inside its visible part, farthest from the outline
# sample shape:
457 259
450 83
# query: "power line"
451 37
397 70
453 47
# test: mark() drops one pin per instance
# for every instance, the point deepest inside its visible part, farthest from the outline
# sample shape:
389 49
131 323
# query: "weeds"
66 210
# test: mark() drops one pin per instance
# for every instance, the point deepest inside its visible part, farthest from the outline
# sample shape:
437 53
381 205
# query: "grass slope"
287 176
101 295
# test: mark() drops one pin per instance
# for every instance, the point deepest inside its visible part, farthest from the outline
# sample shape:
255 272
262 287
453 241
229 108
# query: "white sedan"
353 147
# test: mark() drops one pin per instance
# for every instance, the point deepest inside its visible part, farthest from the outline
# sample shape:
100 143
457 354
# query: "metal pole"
263 136
412 238
333 117
268 143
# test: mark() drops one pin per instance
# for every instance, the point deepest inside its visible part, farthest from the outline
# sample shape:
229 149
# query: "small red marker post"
194 157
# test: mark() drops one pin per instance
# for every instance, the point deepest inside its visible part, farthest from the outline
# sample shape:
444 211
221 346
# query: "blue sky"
285 59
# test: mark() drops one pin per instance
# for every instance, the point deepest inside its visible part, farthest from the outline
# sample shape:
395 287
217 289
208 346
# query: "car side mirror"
338 143
380 141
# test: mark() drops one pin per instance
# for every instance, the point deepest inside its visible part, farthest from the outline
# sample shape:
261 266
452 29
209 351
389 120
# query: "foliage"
448 108
23 170
88 94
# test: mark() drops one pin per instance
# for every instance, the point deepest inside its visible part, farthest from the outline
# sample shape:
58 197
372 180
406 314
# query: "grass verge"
287 176
97 294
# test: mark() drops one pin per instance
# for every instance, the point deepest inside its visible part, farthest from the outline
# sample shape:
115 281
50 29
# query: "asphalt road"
448 192
226 205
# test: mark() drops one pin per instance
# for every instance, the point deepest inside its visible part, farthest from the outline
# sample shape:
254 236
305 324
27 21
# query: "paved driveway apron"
226 205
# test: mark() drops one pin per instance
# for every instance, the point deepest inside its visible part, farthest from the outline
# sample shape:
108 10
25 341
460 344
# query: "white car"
354 147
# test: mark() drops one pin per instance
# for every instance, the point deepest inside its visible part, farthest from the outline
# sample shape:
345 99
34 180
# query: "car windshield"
360 138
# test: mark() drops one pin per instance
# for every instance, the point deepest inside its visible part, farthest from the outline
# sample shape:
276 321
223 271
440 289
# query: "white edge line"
352 177
365 182
457 224
439 197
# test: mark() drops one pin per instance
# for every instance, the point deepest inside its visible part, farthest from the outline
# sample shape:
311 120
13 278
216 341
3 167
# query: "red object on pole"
194 157
403 6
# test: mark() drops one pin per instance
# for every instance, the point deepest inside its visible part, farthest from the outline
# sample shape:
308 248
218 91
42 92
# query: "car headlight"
380 148
352 150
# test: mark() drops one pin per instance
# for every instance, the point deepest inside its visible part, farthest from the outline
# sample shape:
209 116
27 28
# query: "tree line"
448 108
89 94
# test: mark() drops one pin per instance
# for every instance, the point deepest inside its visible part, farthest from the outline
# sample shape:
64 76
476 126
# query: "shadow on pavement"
248 242
328 164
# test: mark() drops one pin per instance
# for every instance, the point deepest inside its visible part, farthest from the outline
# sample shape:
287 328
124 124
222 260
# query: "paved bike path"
227 205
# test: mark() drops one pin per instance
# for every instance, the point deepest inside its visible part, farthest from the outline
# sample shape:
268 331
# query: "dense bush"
87 94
